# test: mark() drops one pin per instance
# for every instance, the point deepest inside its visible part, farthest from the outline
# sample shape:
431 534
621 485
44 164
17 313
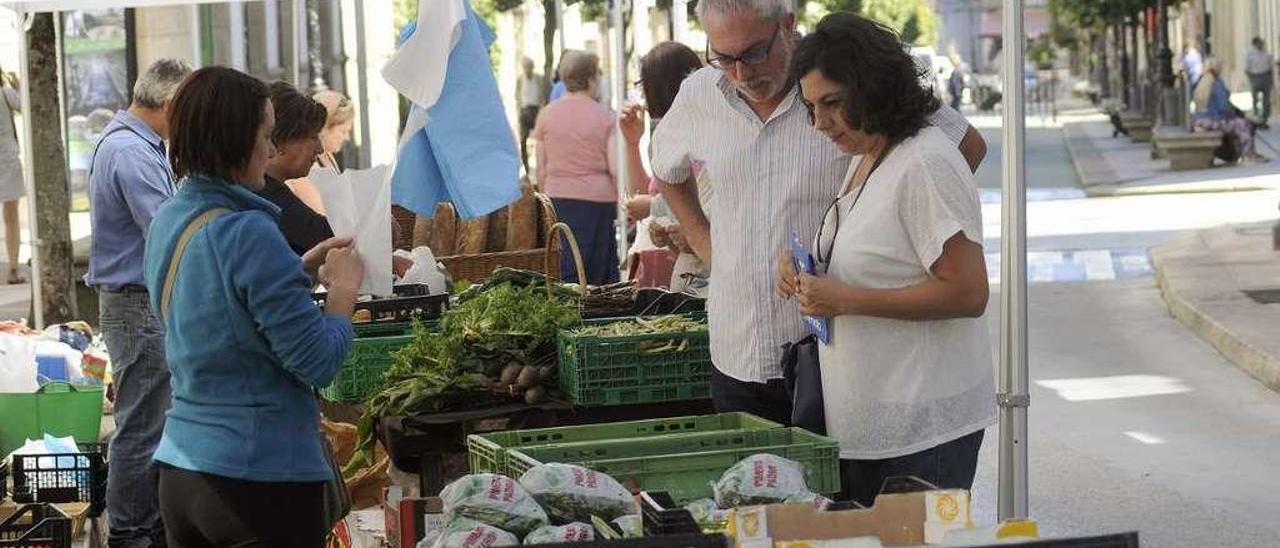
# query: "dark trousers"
951 465
208 511
1261 85
765 400
528 119
592 225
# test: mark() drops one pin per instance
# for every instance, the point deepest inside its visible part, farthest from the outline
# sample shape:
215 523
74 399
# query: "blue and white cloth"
466 152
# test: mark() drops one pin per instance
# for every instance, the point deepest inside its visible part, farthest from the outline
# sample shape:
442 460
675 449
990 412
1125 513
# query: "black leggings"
208 511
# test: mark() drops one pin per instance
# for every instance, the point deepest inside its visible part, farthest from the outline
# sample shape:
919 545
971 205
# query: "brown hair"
213 122
297 116
661 72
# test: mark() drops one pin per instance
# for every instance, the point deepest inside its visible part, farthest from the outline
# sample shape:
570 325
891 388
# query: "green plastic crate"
686 465
57 408
361 375
487 452
602 371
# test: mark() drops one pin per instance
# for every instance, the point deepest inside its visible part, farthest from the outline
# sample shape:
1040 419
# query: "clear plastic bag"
572 493
494 500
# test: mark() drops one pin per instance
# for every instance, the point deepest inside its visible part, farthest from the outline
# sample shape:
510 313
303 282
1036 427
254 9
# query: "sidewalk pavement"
1207 278
1109 166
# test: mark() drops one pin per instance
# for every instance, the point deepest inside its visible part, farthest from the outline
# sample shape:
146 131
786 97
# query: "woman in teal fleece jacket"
241 457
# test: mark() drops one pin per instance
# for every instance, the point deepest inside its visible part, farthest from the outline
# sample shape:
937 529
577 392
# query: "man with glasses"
742 117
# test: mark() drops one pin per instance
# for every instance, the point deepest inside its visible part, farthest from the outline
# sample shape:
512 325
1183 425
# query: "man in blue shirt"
129 178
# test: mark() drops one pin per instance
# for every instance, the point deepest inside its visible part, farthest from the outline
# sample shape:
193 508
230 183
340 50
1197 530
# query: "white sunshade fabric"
36 6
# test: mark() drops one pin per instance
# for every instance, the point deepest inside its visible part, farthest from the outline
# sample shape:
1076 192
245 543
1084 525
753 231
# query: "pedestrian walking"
529 90
1260 65
12 185
743 120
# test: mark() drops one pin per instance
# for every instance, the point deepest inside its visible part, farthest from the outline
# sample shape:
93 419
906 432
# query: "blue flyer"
820 327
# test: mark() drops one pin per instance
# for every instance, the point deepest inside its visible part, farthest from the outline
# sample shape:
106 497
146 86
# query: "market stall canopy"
68 5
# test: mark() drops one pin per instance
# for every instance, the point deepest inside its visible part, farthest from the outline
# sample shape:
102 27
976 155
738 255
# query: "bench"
1188 150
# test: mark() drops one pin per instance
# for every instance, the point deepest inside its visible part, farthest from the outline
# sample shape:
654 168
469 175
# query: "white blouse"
895 387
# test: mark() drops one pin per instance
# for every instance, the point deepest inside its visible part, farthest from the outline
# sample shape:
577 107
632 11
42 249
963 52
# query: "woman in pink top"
575 168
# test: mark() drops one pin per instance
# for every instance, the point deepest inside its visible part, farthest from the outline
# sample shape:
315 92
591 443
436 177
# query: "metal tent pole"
1013 397
28 172
619 91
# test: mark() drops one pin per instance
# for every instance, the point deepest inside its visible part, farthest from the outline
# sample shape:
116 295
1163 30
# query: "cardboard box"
906 519
409 518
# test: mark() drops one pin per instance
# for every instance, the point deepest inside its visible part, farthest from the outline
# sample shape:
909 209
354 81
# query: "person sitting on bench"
1214 112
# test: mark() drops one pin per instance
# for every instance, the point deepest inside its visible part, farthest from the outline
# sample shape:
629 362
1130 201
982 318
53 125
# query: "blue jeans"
951 465
135 340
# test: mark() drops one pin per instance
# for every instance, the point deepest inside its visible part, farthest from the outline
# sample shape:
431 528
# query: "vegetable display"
573 532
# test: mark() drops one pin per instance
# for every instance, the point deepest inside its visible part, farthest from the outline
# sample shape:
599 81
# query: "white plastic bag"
357 203
572 493
17 364
425 270
469 533
761 479
493 499
573 532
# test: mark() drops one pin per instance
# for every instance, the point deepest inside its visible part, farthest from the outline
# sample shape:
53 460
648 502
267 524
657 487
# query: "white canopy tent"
1013 397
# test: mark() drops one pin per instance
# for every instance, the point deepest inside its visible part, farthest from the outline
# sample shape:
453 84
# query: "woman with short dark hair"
242 463
299 121
907 376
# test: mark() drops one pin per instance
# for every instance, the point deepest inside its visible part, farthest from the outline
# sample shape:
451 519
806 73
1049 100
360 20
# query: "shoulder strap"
166 293
122 127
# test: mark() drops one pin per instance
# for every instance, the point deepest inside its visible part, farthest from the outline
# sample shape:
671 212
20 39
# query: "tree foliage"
913 19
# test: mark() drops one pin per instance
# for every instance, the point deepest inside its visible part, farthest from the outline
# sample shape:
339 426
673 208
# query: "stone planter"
1138 126
1189 151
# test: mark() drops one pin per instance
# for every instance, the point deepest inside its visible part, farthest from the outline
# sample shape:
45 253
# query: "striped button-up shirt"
773 177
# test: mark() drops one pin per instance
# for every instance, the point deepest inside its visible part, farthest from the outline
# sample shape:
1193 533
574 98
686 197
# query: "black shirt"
301 225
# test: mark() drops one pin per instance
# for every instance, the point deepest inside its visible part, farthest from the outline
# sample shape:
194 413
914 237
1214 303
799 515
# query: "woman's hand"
638 206
342 270
825 297
788 279
658 233
631 122
315 257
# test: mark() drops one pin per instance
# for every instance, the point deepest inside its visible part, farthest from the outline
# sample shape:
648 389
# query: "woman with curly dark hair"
908 382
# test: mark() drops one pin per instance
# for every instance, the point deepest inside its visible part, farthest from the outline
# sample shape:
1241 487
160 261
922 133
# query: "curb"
1260 365
1076 142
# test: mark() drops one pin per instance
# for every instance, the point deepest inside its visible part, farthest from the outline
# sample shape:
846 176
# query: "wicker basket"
478 267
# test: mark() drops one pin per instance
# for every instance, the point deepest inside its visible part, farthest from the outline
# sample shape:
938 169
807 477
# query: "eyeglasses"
753 56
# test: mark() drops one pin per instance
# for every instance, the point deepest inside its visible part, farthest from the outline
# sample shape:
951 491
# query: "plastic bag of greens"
706 514
572 493
761 479
573 532
818 502
631 526
494 500
469 533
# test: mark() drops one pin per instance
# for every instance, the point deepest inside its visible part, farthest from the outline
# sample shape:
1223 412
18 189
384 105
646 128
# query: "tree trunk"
548 45
49 163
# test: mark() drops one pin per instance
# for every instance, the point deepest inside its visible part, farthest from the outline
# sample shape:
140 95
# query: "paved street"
1135 422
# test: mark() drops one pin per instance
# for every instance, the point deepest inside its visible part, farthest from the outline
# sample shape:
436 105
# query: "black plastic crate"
1119 540
662 516
63 477
409 302
673 541
36 526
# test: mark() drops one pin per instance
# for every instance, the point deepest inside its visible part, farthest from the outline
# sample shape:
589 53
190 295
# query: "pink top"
574 132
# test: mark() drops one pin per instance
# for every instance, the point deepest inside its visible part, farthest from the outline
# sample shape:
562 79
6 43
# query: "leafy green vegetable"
572 493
